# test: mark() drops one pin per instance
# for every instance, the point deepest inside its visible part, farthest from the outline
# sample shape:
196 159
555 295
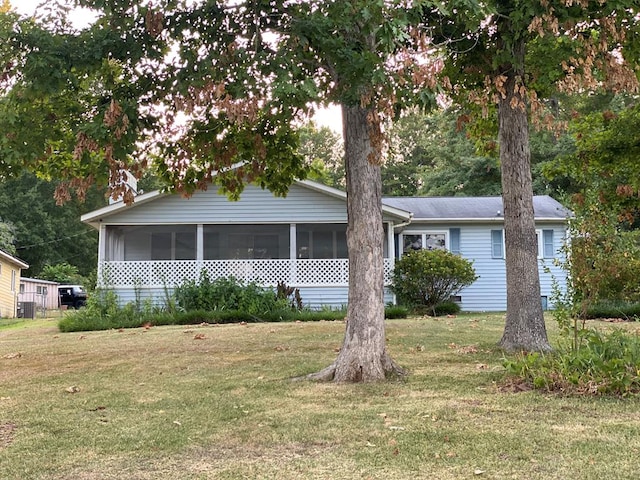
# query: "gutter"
404 224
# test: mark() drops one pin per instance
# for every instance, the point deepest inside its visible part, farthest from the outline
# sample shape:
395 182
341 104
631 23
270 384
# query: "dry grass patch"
217 402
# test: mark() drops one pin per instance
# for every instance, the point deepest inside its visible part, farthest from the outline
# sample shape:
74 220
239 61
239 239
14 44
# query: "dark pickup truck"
73 296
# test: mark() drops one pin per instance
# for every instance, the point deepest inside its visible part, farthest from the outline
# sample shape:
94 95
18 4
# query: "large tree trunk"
363 356
524 328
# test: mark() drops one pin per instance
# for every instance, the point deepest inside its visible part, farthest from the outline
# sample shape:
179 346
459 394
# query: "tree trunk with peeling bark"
524 328
363 356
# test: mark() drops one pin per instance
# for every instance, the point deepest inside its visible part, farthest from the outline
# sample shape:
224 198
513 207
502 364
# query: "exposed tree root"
332 373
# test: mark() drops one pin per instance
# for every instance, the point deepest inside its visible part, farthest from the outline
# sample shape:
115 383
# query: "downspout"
393 248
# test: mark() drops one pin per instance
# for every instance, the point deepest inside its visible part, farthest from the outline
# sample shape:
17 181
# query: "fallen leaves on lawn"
515 385
72 389
199 336
12 355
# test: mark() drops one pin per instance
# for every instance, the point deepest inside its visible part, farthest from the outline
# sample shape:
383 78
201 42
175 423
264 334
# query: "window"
497 244
548 249
13 280
22 288
544 242
412 241
454 240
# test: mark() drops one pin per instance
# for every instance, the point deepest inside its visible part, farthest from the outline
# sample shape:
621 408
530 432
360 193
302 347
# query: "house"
147 248
42 293
10 269
473 227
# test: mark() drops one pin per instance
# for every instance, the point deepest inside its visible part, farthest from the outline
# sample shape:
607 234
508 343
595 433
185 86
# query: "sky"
79 17
326 117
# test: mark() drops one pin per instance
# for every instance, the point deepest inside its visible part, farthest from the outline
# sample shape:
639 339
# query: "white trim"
37 280
423 233
540 241
200 241
12 259
95 216
481 219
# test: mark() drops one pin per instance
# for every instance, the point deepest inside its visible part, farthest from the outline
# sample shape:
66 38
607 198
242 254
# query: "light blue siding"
255 206
489 292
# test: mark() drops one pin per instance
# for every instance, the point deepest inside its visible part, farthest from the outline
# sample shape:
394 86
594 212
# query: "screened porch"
156 256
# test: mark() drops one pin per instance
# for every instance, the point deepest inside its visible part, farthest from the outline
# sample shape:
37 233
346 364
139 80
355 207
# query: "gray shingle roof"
471 208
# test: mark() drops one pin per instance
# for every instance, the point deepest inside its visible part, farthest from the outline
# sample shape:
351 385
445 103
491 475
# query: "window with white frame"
544 243
427 240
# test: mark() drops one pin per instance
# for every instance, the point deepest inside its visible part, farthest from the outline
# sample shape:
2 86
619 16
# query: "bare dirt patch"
7 433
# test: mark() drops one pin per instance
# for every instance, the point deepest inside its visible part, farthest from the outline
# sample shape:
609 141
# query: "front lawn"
217 402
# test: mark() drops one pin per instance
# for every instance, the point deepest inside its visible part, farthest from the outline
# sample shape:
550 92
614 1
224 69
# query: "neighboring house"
10 269
147 248
43 293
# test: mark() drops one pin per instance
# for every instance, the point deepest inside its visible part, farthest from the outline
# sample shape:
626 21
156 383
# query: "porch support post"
199 250
293 252
391 251
102 241
199 242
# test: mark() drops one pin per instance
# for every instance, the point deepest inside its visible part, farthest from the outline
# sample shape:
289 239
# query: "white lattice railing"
157 274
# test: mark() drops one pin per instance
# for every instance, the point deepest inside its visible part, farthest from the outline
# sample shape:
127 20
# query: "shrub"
613 309
395 311
430 277
446 308
606 363
227 294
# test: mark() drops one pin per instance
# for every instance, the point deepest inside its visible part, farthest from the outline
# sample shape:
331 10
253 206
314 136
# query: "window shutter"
454 240
547 242
497 250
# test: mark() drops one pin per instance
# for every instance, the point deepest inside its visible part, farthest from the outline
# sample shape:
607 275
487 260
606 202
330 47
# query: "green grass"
217 402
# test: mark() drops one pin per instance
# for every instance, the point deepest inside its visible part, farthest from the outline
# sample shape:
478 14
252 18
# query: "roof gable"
13 260
307 201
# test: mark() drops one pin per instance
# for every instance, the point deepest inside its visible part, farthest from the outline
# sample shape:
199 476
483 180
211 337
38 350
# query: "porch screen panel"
184 245
321 241
114 243
246 242
151 242
173 242
211 243
161 246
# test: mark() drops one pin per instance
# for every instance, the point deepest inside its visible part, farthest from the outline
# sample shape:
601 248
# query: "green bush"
103 313
395 311
604 364
613 309
227 294
429 277
446 308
